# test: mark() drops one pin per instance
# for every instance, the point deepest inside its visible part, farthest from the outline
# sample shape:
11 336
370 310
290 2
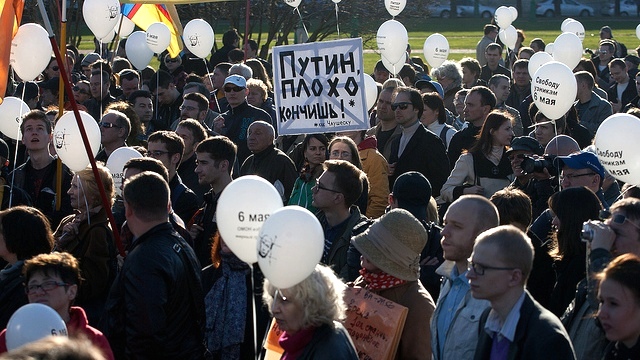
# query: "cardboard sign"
319 87
374 323
271 345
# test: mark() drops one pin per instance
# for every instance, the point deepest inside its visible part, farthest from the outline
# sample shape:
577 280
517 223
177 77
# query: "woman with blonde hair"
88 236
309 315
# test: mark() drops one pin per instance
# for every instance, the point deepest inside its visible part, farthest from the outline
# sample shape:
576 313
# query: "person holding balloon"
309 315
24 233
53 279
88 236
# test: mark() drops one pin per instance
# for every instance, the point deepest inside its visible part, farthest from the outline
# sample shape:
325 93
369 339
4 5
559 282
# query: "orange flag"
9 22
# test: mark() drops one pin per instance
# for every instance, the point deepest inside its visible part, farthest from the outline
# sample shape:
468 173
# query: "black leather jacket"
155 309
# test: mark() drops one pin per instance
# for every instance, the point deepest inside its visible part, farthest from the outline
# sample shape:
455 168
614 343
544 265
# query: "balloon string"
253 303
303 26
15 155
215 94
337 23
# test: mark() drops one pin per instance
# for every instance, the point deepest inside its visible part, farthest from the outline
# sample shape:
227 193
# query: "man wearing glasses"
454 325
582 168
515 326
114 130
601 61
417 149
334 194
234 123
168 147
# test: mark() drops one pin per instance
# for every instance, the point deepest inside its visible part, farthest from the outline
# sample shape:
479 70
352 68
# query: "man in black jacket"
156 305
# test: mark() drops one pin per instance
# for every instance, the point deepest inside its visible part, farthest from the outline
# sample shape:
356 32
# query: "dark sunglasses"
107 125
234 89
171 61
401 105
55 68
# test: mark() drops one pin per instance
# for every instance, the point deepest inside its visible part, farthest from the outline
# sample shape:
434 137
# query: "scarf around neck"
380 281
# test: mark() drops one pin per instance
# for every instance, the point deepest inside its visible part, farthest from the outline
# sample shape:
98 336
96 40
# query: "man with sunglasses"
618 234
515 326
114 130
234 123
416 149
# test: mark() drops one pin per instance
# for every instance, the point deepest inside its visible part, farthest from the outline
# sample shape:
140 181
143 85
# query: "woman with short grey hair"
449 75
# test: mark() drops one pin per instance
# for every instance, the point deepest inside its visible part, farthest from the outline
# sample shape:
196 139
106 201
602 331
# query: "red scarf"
294 345
381 280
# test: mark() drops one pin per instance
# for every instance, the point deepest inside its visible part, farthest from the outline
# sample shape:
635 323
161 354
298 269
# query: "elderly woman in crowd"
619 311
449 75
309 315
390 261
24 233
88 236
485 168
259 97
53 280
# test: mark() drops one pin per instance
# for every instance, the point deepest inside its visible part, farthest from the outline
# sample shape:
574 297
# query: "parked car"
567 8
464 7
627 8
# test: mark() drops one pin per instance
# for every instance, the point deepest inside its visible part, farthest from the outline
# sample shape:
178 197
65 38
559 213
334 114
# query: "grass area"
464 33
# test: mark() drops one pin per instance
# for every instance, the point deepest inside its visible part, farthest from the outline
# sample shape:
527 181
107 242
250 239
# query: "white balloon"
198 37
392 39
564 23
503 17
33 322
243 207
138 52
285 257
336 1
293 3
616 145
575 27
638 31
393 67
158 37
371 91
116 161
553 89
509 36
436 49
109 38
549 48
514 13
101 16
395 7
30 51
567 49
11 111
68 141
126 28
538 59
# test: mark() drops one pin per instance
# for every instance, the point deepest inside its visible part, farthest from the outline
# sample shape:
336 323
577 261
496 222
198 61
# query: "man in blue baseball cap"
582 168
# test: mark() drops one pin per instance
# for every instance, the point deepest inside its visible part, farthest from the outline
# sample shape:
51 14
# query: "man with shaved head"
267 161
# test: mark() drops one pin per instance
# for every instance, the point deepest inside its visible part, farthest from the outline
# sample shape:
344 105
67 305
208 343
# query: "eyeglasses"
107 125
401 105
81 90
45 286
570 177
605 52
157 153
480 269
319 186
171 60
234 89
55 68
513 157
188 108
619 219
340 154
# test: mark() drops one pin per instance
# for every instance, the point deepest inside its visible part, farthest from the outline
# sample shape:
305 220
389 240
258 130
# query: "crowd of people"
496 226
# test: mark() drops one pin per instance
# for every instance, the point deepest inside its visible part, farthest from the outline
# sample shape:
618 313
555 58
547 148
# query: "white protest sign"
319 87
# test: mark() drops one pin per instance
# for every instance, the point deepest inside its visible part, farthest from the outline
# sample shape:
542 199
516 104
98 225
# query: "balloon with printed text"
33 322
436 49
575 27
30 51
198 37
116 162
392 39
553 89
11 111
290 245
395 7
158 37
101 16
616 145
242 208
68 141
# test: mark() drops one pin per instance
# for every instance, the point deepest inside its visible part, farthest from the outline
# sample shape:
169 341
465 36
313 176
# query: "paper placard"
374 323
